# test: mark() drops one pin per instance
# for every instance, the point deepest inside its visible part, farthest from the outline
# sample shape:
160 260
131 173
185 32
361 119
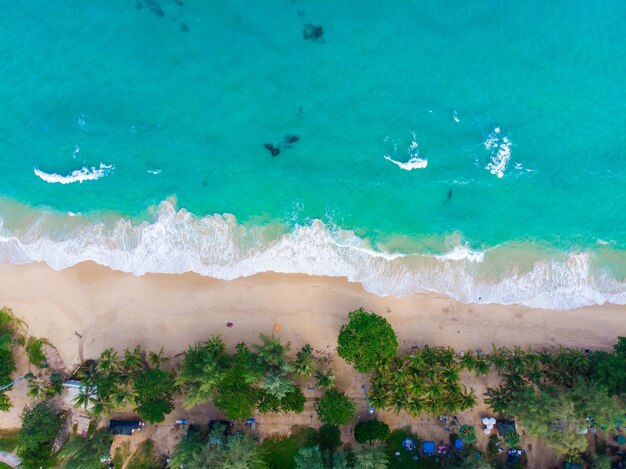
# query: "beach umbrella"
487 431
492 421
485 420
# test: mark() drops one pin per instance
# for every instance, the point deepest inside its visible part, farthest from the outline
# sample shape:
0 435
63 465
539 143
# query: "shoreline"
115 309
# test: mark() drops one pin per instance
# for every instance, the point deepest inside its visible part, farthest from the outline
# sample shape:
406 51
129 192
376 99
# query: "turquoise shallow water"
509 115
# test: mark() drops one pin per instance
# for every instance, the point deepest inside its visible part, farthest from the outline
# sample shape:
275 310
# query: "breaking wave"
500 151
414 162
78 175
176 241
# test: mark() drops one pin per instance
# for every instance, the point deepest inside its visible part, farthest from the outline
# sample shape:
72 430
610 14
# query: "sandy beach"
87 308
84 309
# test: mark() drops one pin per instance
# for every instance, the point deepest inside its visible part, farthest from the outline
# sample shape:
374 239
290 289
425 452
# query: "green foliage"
329 437
271 354
511 438
600 461
551 416
609 368
303 365
325 379
371 457
40 425
293 401
234 451
279 451
367 431
394 444
335 407
9 324
201 371
425 380
7 368
34 351
309 458
468 434
143 457
154 389
8 440
85 453
366 341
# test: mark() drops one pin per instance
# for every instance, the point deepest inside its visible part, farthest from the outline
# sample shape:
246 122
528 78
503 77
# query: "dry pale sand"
109 308
84 309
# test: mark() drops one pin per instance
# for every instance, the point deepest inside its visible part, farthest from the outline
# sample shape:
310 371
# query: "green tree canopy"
154 389
370 457
231 452
367 431
329 437
40 425
85 453
335 407
366 340
609 368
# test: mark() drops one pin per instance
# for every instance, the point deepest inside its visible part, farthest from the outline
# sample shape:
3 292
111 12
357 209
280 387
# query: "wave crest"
218 246
78 175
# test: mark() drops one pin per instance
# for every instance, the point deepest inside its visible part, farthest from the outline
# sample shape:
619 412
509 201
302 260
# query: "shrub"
34 351
335 407
329 437
40 425
366 340
367 431
154 394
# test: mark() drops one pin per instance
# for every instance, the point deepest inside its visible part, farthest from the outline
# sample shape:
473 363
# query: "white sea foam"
460 253
414 162
176 241
154 171
456 117
500 152
78 175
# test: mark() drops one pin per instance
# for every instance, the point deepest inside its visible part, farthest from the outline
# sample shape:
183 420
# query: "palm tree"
415 385
35 390
309 458
468 361
85 453
325 379
271 353
430 356
303 365
447 357
449 375
416 360
499 358
86 396
498 399
482 366
215 345
156 359
109 362
371 457
277 384
133 360
415 407
467 400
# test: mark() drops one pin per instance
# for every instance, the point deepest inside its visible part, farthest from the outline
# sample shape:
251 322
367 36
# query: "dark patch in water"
289 140
155 7
274 150
179 3
204 183
312 32
449 194
138 5
184 28
301 13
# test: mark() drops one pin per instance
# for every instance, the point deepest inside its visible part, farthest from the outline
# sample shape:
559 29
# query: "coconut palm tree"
156 359
109 362
499 357
277 384
482 366
416 360
449 375
498 399
447 357
468 361
133 360
35 390
87 395
415 406
303 364
430 356
215 345
371 457
271 352
325 379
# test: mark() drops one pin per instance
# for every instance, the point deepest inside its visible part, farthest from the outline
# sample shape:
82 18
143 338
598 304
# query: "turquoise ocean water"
476 149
